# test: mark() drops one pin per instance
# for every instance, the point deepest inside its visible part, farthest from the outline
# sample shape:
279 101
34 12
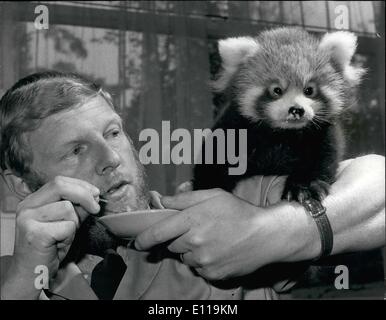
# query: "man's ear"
342 45
16 184
233 52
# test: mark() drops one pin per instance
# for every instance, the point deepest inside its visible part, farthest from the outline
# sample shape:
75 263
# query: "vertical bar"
350 26
260 10
36 50
381 63
301 13
328 20
8 74
122 57
281 11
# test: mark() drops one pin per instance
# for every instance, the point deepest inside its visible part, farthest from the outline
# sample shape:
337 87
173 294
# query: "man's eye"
77 150
116 133
113 133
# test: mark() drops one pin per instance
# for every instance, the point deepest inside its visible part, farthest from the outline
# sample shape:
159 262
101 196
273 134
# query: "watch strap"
318 212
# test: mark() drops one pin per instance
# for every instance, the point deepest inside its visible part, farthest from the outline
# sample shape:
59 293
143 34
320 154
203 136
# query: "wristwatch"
318 212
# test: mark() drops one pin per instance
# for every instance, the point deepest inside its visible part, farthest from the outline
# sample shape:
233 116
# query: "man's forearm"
355 208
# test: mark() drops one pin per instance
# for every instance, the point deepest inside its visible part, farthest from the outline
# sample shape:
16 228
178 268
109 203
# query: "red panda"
288 88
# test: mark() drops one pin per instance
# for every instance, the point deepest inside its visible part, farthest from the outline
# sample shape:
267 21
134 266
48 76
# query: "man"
63 147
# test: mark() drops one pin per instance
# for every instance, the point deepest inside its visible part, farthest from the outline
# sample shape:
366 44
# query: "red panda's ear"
342 46
233 52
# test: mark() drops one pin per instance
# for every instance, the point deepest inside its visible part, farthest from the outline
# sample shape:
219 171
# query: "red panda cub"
288 89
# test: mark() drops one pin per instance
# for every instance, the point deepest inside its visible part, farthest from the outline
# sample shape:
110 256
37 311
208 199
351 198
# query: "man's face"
88 143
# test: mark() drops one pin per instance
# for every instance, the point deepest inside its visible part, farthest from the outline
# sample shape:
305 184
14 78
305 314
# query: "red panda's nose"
296 111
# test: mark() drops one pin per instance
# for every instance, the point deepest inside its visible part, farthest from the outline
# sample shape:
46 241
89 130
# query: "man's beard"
93 238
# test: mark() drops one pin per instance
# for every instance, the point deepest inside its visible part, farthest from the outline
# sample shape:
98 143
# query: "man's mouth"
116 191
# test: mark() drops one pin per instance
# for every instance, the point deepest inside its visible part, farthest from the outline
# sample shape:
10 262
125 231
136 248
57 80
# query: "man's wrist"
298 236
318 212
18 283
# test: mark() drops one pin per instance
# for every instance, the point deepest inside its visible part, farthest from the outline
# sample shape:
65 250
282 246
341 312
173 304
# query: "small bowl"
128 225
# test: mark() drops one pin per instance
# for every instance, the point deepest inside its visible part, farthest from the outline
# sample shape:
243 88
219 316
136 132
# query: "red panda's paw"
297 191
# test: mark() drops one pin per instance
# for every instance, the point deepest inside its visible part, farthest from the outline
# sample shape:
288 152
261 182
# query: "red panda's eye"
310 91
275 91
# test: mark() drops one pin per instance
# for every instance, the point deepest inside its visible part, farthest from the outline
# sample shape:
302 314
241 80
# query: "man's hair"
28 102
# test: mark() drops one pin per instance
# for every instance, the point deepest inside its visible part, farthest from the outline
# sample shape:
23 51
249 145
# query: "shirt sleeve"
264 191
261 191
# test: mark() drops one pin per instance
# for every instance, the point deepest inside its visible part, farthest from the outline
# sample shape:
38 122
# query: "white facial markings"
248 100
307 104
277 110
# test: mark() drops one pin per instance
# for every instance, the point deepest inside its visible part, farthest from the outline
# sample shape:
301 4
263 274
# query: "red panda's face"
287 77
291 107
286 105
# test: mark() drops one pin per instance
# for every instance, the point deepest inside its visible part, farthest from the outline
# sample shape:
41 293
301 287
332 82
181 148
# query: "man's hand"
46 222
217 233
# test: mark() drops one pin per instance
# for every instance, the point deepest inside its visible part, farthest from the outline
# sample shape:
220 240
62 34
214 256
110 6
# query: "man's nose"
296 111
109 160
